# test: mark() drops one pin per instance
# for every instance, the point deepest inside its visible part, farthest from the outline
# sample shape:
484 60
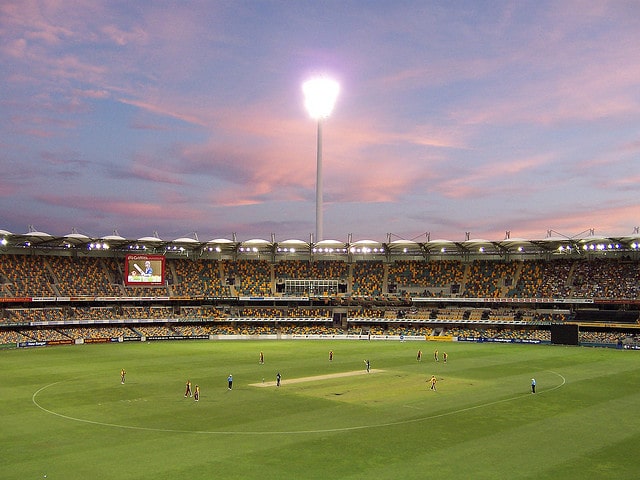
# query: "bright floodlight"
320 96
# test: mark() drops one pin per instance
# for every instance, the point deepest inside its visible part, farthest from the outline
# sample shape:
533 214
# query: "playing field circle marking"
291 432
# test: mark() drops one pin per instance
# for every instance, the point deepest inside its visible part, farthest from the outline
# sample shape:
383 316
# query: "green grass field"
65 414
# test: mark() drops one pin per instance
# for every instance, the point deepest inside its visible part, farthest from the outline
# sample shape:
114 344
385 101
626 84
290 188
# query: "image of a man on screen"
144 270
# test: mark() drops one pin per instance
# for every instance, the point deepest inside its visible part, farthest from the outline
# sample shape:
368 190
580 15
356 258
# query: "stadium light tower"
320 96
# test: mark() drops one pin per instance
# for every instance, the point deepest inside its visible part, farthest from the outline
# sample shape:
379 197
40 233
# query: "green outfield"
65 414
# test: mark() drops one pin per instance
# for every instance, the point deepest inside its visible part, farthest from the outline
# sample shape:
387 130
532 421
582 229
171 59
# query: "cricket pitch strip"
316 378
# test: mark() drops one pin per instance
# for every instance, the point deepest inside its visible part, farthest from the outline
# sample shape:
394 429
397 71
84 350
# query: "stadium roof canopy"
553 244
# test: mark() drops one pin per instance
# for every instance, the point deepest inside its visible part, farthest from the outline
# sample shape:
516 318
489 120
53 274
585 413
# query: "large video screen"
144 270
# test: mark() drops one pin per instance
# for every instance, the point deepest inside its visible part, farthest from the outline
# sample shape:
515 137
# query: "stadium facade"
61 289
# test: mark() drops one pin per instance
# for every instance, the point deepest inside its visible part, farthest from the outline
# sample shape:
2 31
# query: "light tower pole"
320 97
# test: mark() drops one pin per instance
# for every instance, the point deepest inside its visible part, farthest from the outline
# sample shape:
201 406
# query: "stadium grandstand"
77 289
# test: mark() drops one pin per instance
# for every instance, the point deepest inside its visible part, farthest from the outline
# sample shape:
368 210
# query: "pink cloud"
125 210
15 48
121 37
8 189
163 110
442 72
626 183
27 17
605 220
72 67
286 167
610 220
94 94
631 147
569 90
375 180
150 174
490 178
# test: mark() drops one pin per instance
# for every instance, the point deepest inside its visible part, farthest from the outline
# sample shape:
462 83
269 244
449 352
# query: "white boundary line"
292 432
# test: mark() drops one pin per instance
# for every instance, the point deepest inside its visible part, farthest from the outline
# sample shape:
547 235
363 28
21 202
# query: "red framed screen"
144 270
